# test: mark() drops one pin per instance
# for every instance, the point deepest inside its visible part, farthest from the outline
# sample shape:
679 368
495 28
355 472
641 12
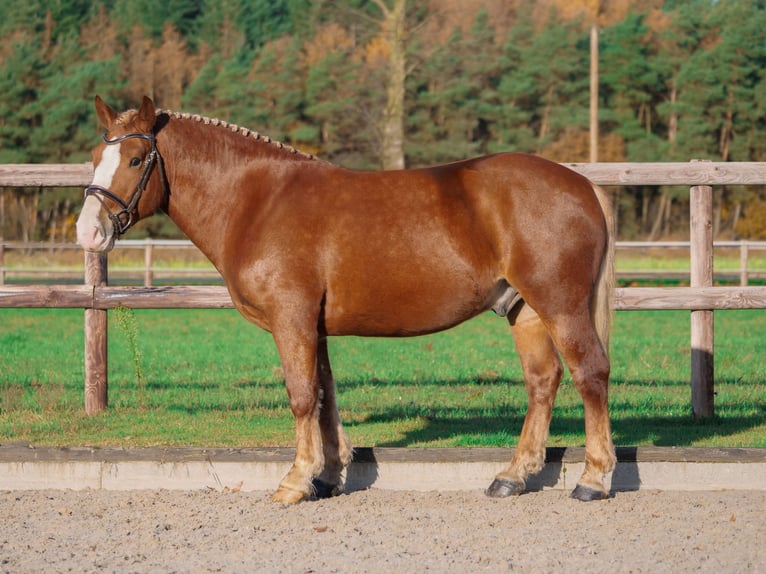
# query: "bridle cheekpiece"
123 219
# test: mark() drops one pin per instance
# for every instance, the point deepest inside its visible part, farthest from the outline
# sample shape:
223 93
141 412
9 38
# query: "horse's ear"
146 117
106 115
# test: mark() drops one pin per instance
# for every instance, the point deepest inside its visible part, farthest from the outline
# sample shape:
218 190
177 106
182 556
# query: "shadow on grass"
497 424
656 431
465 425
157 384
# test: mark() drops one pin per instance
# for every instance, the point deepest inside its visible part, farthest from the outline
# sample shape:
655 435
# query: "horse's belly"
387 311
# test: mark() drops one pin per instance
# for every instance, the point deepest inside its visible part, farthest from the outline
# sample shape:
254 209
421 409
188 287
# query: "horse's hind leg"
588 364
542 375
335 444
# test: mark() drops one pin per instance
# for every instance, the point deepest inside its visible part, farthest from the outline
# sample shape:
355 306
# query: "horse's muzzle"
95 231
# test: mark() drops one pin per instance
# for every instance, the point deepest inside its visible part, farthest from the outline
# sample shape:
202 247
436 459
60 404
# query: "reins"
123 219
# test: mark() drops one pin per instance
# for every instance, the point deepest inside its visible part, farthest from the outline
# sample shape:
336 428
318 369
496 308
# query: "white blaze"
107 167
94 228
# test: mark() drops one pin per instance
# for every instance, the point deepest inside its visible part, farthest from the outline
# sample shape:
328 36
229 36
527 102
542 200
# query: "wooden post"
743 256
148 256
2 261
96 389
702 371
594 94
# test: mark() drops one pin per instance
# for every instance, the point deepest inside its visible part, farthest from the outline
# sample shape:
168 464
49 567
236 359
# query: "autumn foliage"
383 83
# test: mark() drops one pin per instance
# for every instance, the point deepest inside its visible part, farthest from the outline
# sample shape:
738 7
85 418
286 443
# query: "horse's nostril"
90 236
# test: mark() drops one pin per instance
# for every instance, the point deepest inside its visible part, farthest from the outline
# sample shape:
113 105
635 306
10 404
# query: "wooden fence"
145 273
150 272
701 298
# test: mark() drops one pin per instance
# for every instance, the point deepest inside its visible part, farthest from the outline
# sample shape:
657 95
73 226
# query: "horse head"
128 180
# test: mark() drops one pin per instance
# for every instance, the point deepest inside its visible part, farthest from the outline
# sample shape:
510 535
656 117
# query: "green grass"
210 378
627 261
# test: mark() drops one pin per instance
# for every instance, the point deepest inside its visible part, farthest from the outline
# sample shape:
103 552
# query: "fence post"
701 255
743 256
2 261
148 261
96 388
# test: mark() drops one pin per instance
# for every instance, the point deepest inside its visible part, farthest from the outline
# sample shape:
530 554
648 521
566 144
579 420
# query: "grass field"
210 378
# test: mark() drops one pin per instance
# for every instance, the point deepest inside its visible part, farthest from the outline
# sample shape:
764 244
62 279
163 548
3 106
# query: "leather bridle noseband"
123 219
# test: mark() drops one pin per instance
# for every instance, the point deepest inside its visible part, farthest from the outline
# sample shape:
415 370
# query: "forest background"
391 83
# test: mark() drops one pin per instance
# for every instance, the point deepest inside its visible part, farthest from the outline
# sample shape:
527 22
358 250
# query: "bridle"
123 219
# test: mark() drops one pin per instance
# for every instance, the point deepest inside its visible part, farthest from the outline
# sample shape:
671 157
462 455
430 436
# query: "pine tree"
721 98
335 98
633 88
265 20
219 26
543 85
22 73
435 107
511 128
277 87
171 68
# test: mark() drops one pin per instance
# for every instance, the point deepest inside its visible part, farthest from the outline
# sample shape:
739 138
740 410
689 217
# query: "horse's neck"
204 197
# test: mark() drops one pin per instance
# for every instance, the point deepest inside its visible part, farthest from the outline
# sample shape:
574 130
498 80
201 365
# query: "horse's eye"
135 162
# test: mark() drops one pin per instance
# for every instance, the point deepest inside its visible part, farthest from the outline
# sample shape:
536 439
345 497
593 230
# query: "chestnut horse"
309 249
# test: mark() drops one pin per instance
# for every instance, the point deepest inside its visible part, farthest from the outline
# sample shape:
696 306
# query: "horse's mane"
244 132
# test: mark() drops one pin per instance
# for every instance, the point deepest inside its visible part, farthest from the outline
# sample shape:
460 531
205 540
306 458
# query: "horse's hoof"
586 493
288 496
324 489
502 488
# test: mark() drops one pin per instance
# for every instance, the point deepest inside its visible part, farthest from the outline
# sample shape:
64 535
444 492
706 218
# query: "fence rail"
150 270
701 298
217 297
657 173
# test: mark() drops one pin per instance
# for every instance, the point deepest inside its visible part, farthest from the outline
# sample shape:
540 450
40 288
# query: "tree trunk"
659 218
27 213
717 210
673 119
645 202
726 133
737 213
2 214
668 217
594 94
392 121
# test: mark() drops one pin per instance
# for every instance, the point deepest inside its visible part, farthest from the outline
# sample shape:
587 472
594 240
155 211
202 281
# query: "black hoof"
324 489
501 488
586 494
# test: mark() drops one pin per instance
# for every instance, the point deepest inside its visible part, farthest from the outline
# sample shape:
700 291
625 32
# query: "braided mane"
244 132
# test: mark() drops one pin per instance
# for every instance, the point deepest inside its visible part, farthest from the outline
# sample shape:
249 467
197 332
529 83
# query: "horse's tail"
601 308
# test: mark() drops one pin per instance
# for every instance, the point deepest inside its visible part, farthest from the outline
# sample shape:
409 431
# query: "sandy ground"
381 531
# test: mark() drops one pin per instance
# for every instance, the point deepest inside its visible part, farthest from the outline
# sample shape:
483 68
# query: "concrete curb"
24 467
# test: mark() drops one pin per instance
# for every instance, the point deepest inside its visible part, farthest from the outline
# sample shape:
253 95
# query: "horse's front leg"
335 444
298 352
